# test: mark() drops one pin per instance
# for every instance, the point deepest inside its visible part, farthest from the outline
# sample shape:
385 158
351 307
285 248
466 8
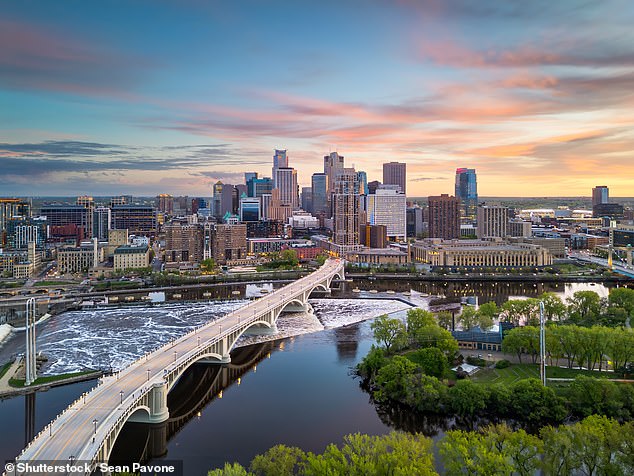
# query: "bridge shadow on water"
197 387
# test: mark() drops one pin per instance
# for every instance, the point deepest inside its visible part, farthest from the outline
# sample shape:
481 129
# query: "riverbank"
10 386
471 277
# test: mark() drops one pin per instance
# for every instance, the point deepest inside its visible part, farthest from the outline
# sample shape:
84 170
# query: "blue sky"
151 97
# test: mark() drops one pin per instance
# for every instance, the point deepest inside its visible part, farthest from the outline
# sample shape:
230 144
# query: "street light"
121 393
198 341
148 374
175 354
95 423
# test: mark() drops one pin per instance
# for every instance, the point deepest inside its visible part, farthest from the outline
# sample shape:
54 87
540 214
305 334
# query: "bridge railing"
186 358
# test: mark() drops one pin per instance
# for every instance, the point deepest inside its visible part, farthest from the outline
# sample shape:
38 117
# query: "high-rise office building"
333 165
467 192
9 209
492 221
286 180
165 203
137 219
345 199
89 204
395 173
600 194
280 160
257 187
363 182
101 220
278 210
319 185
222 199
387 207
307 199
250 176
444 217
250 209
67 221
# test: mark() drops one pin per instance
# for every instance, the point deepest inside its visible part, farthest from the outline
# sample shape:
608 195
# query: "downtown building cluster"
341 213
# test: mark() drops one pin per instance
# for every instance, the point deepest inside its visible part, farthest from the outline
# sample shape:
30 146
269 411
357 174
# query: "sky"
147 97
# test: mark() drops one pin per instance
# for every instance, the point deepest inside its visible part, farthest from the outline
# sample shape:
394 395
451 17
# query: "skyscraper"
333 164
600 194
467 192
286 180
101 219
387 207
346 208
444 217
363 182
394 173
319 185
307 199
280 159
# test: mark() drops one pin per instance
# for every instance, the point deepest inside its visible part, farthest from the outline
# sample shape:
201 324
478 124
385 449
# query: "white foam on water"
112 338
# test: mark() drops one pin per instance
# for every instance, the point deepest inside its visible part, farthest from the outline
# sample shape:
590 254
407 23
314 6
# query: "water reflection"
347 341
200 385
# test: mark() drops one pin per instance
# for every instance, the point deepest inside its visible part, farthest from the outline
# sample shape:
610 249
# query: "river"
297 391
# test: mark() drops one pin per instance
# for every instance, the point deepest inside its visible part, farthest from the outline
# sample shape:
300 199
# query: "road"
77 433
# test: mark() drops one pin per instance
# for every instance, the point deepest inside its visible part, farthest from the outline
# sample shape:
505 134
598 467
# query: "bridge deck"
72 435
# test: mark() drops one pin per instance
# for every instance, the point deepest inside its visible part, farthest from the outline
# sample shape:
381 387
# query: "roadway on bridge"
73 435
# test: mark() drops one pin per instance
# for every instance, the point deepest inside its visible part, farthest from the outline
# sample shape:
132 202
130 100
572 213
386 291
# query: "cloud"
36 58
425 179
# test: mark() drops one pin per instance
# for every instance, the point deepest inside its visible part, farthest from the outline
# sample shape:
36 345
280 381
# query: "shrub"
502 364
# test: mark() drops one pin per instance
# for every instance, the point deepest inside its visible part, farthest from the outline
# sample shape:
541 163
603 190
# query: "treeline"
594 446
590 347
584 308
412 365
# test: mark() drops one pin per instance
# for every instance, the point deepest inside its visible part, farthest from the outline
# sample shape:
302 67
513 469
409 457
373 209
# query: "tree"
521 311
622 298
554 307
468 398
208 265
436 336
533 403
584 308
398 453
468 318
523 450
289 257
280 460
417 319
391 379
464 452
445 319
589 395
431 360
371 363
229 469
424 393
389 332
486 314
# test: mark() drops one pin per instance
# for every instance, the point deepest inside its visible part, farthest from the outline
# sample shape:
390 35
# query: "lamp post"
121 394
148 374
175 354
95 423
542 345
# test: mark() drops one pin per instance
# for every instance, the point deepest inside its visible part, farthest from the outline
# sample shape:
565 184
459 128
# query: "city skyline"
104 99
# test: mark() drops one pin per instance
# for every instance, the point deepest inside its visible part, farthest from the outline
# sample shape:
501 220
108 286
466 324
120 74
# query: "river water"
297 391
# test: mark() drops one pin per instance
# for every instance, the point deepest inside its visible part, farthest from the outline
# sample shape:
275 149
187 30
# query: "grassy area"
117 285
19 383
53 283
5 368
10 285
523 371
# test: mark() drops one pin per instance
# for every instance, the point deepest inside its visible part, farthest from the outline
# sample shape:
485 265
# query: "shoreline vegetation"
595 446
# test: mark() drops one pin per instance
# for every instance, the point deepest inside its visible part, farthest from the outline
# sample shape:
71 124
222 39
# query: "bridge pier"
158 403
